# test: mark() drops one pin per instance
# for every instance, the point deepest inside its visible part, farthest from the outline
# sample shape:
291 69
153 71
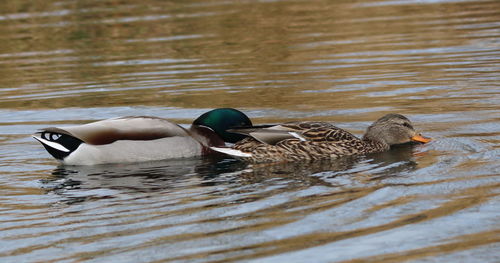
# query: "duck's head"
222 119
393 129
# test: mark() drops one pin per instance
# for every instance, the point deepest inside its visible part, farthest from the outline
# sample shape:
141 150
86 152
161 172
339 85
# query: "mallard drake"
319 140
141 138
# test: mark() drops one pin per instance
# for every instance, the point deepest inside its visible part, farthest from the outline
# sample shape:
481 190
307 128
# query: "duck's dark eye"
407 125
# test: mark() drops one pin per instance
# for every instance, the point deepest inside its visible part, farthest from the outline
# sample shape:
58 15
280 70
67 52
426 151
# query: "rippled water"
438 62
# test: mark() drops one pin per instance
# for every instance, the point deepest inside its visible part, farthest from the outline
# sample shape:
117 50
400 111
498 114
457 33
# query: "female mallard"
141 138
319 140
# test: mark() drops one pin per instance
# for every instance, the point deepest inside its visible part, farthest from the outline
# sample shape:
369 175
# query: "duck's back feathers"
303 131
138 128
319 131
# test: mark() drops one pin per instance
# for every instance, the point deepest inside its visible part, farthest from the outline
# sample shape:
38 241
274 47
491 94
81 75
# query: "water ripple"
66 62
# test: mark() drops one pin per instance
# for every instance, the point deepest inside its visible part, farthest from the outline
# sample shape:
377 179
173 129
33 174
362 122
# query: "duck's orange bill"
420 138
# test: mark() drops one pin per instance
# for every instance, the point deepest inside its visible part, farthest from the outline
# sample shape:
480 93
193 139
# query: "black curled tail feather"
57 144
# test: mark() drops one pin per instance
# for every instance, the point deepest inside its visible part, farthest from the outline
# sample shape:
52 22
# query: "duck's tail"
232 152
57 144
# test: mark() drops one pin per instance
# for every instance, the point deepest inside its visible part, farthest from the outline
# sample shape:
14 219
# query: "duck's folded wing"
268 134
124 128
274 136
303 131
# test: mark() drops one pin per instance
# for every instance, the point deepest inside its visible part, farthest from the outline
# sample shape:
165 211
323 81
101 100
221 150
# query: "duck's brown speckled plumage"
323 140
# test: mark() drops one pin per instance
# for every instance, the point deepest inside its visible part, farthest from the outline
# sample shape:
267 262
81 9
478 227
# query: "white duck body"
134 151
120 140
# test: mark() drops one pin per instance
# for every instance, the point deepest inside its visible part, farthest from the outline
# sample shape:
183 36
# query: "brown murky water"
438 62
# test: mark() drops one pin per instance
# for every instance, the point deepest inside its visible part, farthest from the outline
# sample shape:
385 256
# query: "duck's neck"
375 145
205 136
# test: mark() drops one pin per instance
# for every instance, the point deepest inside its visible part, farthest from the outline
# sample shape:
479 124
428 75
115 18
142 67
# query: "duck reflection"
399 160
79 183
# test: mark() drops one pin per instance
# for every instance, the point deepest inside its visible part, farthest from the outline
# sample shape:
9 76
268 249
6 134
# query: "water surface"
350 62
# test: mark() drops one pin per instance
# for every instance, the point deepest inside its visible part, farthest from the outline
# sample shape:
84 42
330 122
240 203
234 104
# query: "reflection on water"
165 176
69 62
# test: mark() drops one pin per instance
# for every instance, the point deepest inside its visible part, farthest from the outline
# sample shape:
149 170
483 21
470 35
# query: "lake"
348 62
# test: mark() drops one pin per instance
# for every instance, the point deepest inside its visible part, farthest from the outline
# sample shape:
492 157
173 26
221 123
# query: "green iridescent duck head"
222 119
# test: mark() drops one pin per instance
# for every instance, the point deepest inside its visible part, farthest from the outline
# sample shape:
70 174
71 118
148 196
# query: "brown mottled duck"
296 141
